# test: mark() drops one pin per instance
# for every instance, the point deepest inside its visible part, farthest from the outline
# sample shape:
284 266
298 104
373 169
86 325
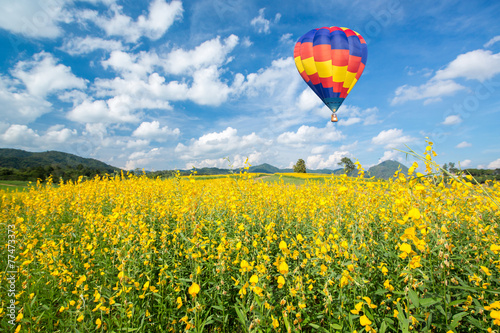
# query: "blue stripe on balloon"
338 40
354 46
321 37
364 53
308 37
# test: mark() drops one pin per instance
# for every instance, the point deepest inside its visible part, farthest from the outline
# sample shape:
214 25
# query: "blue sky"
167 84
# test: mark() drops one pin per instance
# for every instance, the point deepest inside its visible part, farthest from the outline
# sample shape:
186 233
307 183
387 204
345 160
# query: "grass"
13 185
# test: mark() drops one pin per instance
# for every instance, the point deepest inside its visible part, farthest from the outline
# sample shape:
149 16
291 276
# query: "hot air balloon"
331 60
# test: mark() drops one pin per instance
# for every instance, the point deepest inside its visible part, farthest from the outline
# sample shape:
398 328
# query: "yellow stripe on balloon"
324 68
339 73
352 85
348 79
298 63
309 66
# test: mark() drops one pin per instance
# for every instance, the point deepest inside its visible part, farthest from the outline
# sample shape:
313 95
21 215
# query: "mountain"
264 168
386 169
21 159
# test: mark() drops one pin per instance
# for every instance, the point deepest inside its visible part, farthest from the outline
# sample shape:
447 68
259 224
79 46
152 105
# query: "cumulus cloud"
478 65
350 115
463 144
391 155
118 109
153 131
21 136
315 162
261 24
235 161
211 52
80 45
33 18
431 91
43 75
452 120
391 138
310 134
221 144
161 16
18 106
495 164
465 163
142 159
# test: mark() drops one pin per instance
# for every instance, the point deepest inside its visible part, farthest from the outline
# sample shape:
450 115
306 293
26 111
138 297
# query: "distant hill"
21 159
17 164
386 169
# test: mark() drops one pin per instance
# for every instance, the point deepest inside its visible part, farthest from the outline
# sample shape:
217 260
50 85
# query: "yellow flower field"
133 254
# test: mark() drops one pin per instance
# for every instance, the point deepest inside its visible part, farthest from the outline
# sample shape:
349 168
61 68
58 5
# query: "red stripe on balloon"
322 52
340 57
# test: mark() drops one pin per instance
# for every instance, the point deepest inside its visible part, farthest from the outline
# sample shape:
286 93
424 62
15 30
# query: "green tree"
300 166
348 164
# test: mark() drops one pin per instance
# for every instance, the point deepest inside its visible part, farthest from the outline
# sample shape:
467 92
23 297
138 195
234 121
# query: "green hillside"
16 164
386 169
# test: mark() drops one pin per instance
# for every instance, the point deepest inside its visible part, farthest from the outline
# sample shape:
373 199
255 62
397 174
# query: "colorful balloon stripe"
331 61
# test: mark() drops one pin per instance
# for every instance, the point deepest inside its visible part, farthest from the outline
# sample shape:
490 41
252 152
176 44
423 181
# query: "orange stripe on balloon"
337 86
326 82
353 64
360 70
314 78
306 50
340 57
322 52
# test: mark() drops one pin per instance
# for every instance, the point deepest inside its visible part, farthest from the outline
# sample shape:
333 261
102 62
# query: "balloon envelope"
331 60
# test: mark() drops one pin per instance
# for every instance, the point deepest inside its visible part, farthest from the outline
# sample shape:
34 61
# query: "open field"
13 185
237 254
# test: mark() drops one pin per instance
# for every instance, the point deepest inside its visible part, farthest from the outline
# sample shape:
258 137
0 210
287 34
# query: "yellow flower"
19 317
357 308
414 213
98 323
283 268
301 239
254 280
179 302
485 270
194 289
276 324
405 247
283 246
80 318
281 281
364 321
396 313
495 248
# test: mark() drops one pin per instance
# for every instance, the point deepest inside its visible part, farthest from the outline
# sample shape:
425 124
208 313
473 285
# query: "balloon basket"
334 118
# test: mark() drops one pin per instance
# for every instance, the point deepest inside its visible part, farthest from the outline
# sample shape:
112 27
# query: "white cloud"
21 136
261 24
43 75
465 163
19 106
308 100
34 18
310 134
236 161
129 64
207 88
142 159
463 144
357 115
118 109
153 131
430 91
452 120
315 162
495 164
479 65
79 45
391 155
391 138
221 144
286 38
211 52
160 18
492 41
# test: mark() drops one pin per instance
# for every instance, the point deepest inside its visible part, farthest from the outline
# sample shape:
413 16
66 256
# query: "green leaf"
426 302
383 327
336 326
413 297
